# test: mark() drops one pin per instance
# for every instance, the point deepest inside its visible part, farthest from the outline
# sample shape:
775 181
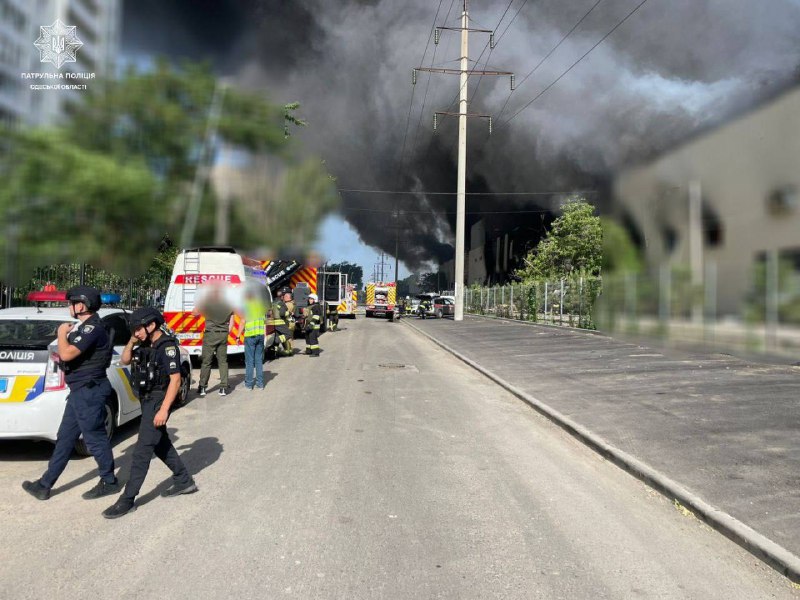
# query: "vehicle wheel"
111 427
186 384
368 314
439 314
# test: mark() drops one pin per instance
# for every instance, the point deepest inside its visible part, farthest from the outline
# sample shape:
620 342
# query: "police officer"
85 351
282 316
156 378
313 318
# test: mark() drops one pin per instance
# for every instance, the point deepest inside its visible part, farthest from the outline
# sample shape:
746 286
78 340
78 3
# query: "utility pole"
203 167
464 72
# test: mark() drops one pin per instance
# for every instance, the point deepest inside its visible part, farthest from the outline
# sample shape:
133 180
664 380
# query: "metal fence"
567 301
669 306
133 292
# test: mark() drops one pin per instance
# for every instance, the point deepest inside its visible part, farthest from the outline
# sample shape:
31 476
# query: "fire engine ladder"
191 266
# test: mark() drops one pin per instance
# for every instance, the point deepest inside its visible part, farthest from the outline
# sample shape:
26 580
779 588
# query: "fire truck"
381 299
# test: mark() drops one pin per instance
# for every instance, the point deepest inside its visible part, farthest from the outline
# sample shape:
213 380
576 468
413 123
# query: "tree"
105 187
63 202
573 244
355 273
620 254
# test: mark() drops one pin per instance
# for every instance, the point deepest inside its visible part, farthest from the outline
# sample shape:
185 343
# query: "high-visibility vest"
254 319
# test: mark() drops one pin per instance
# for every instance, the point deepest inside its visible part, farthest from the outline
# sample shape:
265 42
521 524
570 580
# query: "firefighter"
312 322
156 379
281 317
85 350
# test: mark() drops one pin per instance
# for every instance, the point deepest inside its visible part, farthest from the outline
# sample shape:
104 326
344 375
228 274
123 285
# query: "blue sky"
339 242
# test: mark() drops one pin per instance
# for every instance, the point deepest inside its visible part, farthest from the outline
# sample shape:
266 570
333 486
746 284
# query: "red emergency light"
56 296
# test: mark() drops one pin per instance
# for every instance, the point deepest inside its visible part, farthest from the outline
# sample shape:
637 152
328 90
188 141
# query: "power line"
414 88
409 192
447 212
428 83
497 41
544 91
548 55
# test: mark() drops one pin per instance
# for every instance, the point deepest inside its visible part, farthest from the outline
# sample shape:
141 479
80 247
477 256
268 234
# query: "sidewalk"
725 429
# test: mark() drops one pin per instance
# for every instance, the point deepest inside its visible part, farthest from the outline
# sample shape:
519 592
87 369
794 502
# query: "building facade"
98 24
742 180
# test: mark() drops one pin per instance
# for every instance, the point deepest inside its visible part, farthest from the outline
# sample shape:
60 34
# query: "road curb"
774 555
537 324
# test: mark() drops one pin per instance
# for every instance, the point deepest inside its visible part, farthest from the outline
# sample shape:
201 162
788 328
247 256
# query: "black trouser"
85 413
153 440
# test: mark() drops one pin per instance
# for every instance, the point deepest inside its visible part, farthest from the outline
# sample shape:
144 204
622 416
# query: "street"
386 468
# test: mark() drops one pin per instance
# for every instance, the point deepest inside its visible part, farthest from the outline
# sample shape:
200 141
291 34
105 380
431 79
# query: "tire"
111 426
369 314
186 385
439 313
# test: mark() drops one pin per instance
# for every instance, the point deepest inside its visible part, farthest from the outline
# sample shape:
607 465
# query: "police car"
33 393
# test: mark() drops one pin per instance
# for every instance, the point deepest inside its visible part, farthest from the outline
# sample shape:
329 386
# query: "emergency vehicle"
33 393
337 296
381 299
207 266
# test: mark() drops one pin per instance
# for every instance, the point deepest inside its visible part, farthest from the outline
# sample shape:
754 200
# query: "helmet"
313 297
142 317
284 290
88 295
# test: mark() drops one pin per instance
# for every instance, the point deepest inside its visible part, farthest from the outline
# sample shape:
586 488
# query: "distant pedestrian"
219 320
254 329
156 379
85 350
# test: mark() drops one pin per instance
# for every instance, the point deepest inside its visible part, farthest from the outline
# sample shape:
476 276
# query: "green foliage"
118 175
355 273
573 244
788 293
64 202
619 252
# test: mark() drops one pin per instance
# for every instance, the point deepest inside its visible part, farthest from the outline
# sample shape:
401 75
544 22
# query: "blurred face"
287 297
75 308
141 332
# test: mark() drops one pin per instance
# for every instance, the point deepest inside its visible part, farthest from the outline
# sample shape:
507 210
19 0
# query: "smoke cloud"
672 69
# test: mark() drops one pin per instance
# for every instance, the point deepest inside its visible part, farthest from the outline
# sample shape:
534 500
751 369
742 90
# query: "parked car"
33 393
424 305
444 306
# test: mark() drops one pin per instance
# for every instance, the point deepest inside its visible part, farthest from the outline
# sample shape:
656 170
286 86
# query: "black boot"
36 489
119 509
102 489
176 489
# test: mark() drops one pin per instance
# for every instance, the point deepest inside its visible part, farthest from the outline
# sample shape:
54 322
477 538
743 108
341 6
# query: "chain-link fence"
146 290
567 301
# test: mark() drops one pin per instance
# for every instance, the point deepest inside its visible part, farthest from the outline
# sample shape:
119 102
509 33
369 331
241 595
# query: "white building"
98 24
745 176
16 48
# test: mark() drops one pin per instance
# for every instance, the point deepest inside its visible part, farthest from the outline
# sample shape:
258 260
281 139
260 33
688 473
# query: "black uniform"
151 367
312 324
85 413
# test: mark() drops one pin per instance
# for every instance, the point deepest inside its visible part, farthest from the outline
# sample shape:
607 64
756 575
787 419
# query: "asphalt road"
384 469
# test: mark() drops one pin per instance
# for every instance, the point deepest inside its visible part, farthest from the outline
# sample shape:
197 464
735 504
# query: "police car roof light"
57 296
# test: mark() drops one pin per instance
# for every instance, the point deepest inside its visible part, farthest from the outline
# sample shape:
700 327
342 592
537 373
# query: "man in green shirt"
219 319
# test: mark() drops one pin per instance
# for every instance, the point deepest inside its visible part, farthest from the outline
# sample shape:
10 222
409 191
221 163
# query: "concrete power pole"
464 72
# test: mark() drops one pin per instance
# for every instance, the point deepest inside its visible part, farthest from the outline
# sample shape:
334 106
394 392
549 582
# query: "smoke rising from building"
673 68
